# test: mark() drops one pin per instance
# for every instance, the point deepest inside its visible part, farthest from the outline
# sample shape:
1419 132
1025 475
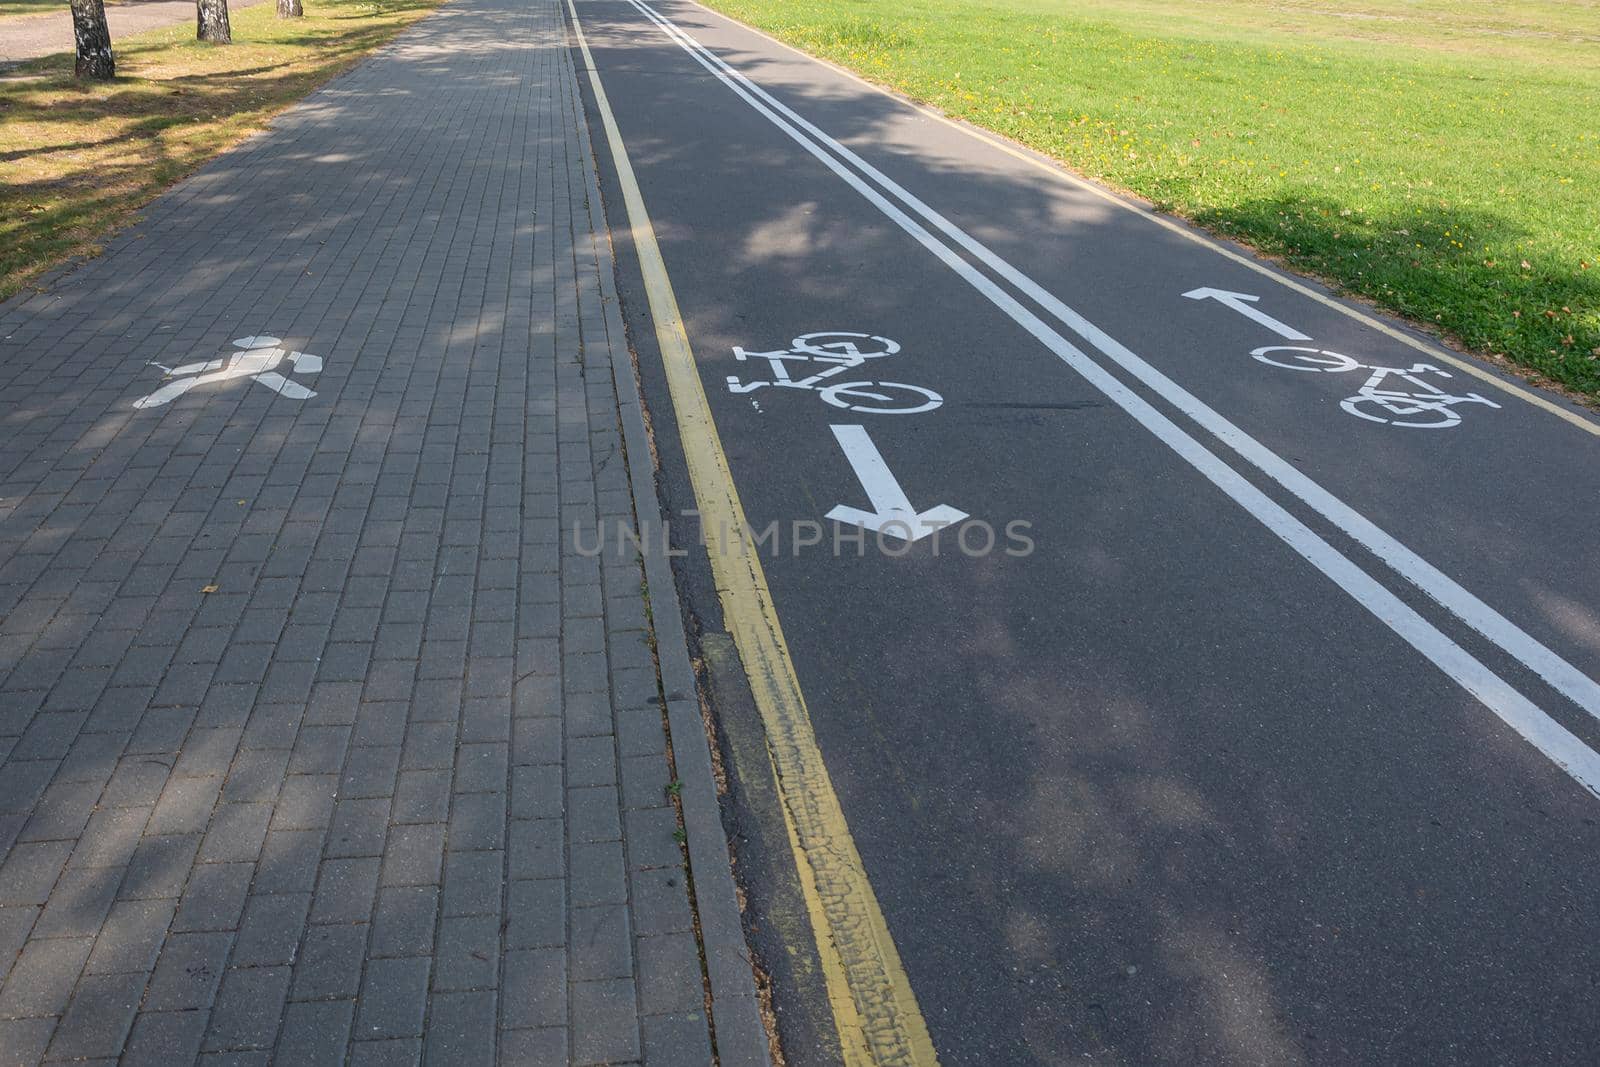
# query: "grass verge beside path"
78 159
1439 157
9 8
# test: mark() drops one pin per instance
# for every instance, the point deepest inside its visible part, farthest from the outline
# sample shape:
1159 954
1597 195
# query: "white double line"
1528 720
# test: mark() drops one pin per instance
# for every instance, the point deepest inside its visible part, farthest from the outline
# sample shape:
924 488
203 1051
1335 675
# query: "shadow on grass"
1429 265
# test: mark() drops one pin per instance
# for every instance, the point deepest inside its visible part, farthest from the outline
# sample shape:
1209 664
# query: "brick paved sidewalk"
321 742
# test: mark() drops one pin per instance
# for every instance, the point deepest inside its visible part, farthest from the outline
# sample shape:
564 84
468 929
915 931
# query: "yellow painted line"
873 1006
1057 170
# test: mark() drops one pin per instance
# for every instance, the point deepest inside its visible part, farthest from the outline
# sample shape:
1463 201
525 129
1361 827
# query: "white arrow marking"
891 512
1241 302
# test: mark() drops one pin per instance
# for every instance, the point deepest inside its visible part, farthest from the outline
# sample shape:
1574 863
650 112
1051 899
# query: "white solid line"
1543 661
1533 724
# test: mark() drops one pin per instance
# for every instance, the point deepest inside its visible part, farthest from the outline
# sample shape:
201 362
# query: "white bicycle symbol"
1423 406
839 351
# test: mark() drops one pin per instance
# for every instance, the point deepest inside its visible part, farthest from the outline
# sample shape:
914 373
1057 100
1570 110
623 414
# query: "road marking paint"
873 1004
836 357
1424 406
891 512
1532 723
1241 302
1563 676
1059 171
258 356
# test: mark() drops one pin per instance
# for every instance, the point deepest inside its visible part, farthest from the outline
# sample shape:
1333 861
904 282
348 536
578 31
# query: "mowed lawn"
1439 157
78 159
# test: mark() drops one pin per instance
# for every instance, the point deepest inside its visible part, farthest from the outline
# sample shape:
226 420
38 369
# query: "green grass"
30 7
78 159
1438 157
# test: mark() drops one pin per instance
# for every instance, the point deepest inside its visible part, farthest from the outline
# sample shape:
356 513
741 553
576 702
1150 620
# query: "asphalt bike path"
1276 746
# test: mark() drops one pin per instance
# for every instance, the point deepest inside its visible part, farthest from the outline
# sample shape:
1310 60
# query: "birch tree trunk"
93 38
290 9
213 21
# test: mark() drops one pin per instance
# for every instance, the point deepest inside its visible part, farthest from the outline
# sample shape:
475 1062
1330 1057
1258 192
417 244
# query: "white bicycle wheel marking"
825 355
258 358
1422 406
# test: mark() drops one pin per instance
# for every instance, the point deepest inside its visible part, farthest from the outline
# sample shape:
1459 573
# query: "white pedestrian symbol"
258 359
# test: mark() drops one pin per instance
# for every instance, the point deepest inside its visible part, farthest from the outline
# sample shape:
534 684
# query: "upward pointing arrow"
1241 302
891 512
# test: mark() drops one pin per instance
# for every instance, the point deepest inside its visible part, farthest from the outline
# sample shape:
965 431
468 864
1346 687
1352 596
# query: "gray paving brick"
605 1022
315 1034
370 771
533 989
596 871
414 855
42 978
359 827
160 866
214 897
79 903
164 1038
396 1052
591 761
536 850
468 954
185 806
131 937
330 962
111 838
136 782
15 924
660 901
237 833
422 797
188 971
346 889
403 923
669 974
602 943
682 1040
536 741
258 773
248 1008
651 840
393 998
461 1029
305 802
97 1021
539 1045
270 931
23 1041
472 882
31 870
478 821
644 782
289 861
592 815
536 914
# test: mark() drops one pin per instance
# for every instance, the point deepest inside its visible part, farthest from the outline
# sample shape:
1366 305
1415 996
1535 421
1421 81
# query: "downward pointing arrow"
891 512
1241 302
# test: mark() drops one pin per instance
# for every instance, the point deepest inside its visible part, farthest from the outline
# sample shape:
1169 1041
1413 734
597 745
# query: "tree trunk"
93 38
213 24
290 9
